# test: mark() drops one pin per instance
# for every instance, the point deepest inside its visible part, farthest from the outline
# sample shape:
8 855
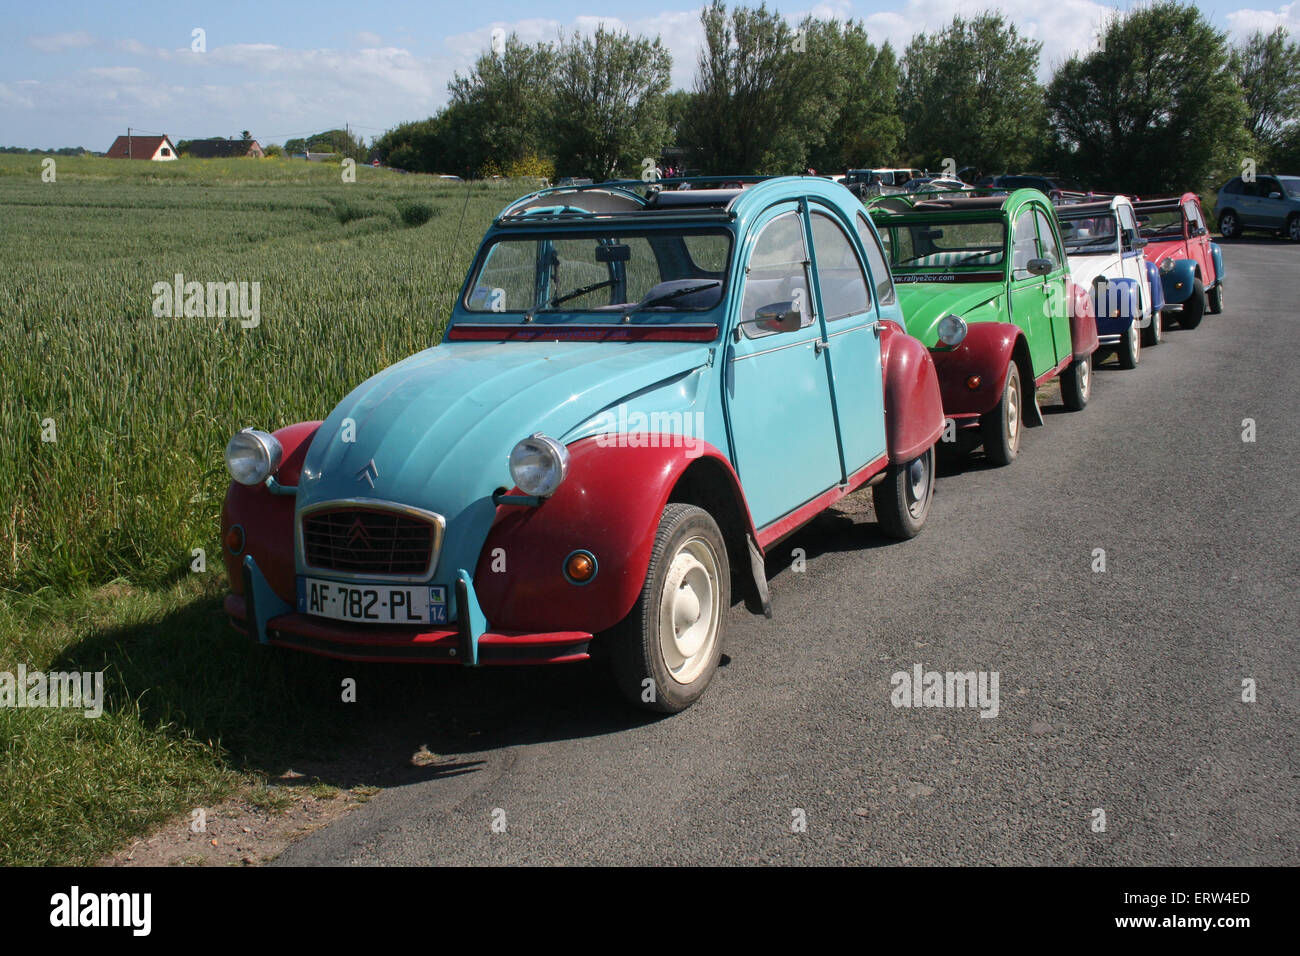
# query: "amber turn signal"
973 382
235 539
580 567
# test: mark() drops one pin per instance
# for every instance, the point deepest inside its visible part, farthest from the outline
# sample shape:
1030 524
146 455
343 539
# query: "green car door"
1029 294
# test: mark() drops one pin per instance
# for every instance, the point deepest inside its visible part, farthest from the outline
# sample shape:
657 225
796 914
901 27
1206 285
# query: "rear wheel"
1293 228
1154 332
1214 298
1002 425
1194 307
1229 227
1076 384
902 500
1130 347
664 653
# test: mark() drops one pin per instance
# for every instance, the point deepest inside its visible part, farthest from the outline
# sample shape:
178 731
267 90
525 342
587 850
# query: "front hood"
1083 269
1157 252
925 303
439 426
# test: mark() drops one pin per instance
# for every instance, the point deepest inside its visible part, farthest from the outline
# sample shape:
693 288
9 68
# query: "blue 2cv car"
641 390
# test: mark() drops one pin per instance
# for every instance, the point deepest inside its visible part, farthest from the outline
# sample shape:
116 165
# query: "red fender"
986 352
267 519
609 504
1083 321
913 403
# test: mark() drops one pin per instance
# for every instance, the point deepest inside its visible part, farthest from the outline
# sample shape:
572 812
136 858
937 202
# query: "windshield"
1161 223
1089 233
930 245
1291 184
653 271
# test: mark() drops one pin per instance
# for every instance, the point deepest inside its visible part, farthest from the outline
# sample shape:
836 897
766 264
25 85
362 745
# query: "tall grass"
353 277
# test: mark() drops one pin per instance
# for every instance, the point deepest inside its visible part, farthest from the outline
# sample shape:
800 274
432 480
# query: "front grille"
368 541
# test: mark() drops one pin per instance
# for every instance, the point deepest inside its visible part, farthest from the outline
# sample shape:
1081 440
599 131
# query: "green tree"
610 108
1267 67
502 111
970 92
1156 109
761 104
862 80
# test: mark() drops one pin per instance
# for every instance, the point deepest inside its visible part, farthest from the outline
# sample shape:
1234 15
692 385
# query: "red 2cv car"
1191 266
641 391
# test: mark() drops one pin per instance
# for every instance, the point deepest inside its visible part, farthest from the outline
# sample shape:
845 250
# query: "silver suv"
1268 204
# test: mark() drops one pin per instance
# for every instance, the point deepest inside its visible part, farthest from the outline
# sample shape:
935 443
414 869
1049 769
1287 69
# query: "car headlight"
1167 265
538 464
252 456
952 329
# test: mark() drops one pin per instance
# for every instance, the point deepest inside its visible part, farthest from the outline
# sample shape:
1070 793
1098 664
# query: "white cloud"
1247 21
61 42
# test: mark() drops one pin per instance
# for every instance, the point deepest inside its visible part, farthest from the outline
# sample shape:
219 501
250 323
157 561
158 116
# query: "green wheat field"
98 527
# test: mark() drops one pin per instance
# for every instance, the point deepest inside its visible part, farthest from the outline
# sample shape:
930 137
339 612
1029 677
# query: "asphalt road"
1119 691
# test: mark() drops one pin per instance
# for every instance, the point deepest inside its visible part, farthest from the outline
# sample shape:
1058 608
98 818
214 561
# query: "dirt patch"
248 829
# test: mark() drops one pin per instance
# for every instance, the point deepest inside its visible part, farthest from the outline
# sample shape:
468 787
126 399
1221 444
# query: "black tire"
1193 308
903 499
1214 299
1129 350
1001 427
638 660
1229 225
1293 228
1076 384
1154 332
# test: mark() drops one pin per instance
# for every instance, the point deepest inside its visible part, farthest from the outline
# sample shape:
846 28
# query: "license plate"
373 603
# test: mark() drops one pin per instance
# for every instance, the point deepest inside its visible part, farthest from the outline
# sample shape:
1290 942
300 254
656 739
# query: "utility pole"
128 142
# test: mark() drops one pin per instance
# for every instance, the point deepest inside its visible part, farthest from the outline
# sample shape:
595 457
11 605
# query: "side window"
876 262
1269 186
775 279
1127 226
1234 187
1193 214
839 271
1047 241
1024 244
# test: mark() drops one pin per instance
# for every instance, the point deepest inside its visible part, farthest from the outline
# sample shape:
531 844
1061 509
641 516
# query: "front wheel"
1293 228
1130 348
1229 228
1214 298
1193 308
902 500
1000 427
1076 384
664 653
1153 334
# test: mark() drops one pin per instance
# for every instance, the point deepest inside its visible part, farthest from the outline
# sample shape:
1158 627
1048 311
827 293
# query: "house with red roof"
159 148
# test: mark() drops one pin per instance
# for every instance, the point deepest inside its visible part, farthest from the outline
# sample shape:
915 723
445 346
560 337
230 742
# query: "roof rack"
521 212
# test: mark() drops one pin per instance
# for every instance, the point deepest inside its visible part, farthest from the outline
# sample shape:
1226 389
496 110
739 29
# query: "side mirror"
1039 267
774 317
1137 242
1274 195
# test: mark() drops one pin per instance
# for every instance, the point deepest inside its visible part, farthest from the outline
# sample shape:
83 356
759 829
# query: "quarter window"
876 262
839 271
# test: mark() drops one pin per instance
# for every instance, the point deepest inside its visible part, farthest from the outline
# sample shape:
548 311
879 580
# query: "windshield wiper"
675 294
575 293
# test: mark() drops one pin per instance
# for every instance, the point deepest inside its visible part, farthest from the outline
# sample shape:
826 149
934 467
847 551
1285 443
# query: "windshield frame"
668 312
884 225
1096 246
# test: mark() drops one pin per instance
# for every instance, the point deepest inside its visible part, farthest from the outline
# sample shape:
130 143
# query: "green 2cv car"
641 391
984 283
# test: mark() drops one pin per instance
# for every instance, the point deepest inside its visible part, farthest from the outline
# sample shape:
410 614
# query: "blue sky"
77 74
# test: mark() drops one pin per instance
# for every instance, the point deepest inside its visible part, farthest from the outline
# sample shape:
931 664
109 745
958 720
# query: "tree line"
1162 101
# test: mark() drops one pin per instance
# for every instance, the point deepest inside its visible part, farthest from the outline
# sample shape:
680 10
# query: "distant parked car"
1269 204
1053 189
1191 266
984 283
572 181
1105 251
930 184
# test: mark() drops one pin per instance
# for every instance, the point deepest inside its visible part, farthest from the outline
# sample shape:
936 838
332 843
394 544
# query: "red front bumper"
411 645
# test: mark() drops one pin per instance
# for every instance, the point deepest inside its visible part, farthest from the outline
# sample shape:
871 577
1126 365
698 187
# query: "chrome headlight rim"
252 456
1167 265
952 329
524 471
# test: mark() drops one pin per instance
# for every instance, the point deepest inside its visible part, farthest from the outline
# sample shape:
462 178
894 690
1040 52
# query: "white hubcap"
689 610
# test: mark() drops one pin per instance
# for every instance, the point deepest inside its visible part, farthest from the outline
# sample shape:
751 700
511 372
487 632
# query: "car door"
846 305
1055 300
1272 211
1198 240
1131 259
777 383
1028 294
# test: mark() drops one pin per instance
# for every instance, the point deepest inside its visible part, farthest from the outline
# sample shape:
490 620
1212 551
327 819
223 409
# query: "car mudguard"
913 401
1115 305
985 352
1156 286
1177 282
609 505
265 519
1083 321
1216 256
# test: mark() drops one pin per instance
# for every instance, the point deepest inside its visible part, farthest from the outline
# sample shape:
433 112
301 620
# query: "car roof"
972 200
